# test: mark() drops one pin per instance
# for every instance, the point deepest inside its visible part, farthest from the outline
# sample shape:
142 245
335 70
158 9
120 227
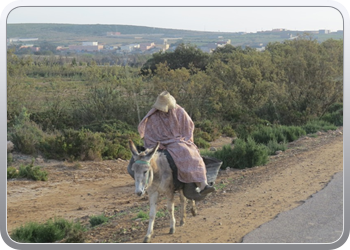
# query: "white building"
129 47
90 43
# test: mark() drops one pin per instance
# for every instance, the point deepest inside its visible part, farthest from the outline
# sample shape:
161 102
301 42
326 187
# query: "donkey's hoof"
147 239
194 211
182 223
172 231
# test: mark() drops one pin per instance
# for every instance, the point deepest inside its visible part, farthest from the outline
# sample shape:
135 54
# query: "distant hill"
76 33
44 30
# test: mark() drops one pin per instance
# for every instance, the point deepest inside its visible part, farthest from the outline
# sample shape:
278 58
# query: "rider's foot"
208 189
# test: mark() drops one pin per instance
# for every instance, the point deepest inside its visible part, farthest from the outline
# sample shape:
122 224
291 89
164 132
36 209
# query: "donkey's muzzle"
140 193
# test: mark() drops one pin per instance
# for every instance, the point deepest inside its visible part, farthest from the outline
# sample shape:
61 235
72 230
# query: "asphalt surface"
318 220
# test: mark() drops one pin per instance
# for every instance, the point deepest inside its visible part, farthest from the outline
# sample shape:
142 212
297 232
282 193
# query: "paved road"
318 220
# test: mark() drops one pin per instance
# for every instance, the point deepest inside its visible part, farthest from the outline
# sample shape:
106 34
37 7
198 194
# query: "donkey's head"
143 172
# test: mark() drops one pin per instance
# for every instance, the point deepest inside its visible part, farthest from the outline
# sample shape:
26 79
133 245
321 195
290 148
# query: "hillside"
59 33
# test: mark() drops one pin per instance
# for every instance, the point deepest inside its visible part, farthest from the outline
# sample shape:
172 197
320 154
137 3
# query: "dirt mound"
245 199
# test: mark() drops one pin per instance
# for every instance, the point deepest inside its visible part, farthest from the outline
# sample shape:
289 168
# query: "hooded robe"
174 131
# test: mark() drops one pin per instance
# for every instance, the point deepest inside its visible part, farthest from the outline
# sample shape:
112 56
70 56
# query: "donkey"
153 174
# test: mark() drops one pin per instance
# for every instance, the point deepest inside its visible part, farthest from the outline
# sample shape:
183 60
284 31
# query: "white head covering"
165 102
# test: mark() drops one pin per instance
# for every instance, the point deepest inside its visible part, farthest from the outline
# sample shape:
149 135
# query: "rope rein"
142 162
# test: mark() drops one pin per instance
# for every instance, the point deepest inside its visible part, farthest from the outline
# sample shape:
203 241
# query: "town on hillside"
148 44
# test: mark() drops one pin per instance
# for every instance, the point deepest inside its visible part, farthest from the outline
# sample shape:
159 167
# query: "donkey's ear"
152 152
133 148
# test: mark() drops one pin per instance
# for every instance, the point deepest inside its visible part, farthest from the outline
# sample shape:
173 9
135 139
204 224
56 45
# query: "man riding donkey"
170 125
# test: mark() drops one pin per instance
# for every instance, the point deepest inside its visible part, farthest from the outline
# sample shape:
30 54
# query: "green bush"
25 134
32 172
12 172
335 118
116 137
249 153
74 144
265 134
229 131
244 154
85 144
274 146
334 114
318 125
97 220
142 215
292 133
49 232
210 128
201 143
9 159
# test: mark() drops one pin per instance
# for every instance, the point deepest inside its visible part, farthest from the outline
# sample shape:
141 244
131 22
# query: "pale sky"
225 19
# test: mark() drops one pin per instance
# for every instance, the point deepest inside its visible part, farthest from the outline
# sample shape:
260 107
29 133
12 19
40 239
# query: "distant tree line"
83 108
289 83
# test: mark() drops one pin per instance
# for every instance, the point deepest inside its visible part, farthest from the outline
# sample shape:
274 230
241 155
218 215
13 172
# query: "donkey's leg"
183 202
194 208
153 197
171 211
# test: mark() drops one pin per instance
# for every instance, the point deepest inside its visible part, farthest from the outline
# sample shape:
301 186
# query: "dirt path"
245 198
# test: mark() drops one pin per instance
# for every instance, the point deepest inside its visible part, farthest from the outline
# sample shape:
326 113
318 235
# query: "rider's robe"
174 131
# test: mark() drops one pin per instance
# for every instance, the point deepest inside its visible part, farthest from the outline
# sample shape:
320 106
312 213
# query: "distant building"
35 49
86 46
113 33
129 47
278 30
324 31
24 46
17 40
61 48
146 46
89 43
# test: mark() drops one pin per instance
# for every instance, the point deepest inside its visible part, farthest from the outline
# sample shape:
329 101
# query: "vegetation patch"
98 220
29 171
318 125
49 232
244 154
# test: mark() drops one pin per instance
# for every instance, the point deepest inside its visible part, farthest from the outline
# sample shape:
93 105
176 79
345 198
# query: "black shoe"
208 189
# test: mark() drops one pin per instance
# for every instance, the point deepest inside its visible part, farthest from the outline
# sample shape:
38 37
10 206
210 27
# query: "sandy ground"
245 199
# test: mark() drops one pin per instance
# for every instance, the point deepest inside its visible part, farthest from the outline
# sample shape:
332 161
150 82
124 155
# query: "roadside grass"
29 171
49 232
98 220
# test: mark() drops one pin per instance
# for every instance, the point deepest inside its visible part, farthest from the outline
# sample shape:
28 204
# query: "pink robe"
174 131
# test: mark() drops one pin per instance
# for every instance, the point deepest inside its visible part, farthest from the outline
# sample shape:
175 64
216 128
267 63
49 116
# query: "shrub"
74 144
334 114
274 146
229 131
12 172
97 220
50 231
9 159
142 215
25 134
210 128
32 172
292 133
248 154
244 154
201 143
264 134
335 118
318 125
116 137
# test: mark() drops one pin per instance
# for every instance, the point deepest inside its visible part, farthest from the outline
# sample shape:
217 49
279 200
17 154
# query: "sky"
224 19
